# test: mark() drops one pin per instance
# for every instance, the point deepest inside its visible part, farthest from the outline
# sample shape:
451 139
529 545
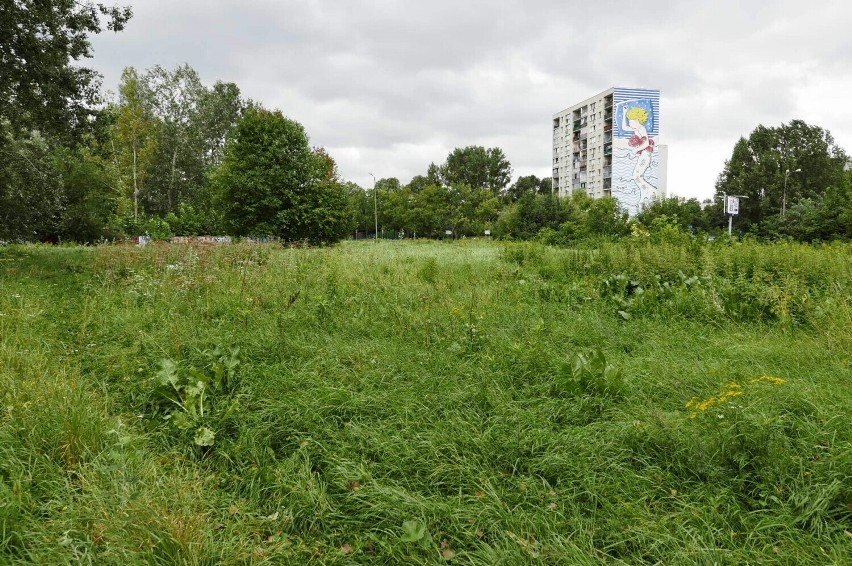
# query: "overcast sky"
391 86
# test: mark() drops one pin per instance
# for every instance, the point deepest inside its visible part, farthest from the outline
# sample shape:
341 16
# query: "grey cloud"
393 85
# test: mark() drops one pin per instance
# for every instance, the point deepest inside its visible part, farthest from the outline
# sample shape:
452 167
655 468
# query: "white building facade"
608 145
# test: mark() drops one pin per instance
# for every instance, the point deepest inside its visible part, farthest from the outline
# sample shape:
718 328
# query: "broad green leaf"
196 389
413 531
204 436
168 374
232 408
181 420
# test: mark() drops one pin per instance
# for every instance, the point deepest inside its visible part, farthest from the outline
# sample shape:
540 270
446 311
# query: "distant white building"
608 145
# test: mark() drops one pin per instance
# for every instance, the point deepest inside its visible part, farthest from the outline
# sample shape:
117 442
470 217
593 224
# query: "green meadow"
422 402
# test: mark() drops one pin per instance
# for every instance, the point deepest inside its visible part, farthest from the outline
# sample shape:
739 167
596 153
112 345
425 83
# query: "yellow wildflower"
770 379
724 396
732 390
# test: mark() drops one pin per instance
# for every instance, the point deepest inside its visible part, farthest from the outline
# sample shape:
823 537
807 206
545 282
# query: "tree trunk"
135 189
172 194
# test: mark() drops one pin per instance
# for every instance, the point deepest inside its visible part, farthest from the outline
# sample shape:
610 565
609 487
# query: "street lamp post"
784 198
375 209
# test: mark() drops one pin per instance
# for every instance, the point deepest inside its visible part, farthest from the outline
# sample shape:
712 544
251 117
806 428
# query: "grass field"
421 402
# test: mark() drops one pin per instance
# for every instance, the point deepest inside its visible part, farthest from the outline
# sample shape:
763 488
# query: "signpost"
732 207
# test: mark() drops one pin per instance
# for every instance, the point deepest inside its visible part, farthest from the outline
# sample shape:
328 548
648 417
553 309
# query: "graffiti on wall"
635 163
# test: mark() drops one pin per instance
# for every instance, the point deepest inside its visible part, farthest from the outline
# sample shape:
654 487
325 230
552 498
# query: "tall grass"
418 402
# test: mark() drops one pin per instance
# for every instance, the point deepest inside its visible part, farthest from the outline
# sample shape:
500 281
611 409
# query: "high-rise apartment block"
608 145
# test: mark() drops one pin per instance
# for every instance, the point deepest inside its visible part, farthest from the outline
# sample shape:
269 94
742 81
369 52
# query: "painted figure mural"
635 173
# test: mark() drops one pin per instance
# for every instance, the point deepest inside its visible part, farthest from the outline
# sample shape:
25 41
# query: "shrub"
197 403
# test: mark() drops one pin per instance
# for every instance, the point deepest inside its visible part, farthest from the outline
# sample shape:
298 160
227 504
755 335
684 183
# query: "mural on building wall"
635 163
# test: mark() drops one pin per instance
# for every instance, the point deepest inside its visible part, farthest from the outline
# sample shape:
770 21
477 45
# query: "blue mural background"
631 193
622 107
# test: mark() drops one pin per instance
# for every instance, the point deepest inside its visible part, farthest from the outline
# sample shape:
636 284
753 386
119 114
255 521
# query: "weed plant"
426 402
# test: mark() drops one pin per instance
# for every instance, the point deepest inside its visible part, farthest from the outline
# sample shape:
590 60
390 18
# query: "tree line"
169 155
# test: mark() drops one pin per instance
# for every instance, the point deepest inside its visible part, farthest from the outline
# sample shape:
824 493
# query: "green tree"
272 183
562 219
30 186
41 85
219 111
175 98
532 213
429 213
528 184
478 168
472 210
604 217
824 217
759 166
91 195
135 137
394 206
418 183
685 213
360 207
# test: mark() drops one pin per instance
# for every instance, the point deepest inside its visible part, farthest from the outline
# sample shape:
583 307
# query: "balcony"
608 137
607 185
608 149
607 172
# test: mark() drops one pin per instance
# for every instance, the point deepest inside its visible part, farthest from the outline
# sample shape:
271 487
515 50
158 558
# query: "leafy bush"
197 403
632 296
157 228
428 272
590 375
521 254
